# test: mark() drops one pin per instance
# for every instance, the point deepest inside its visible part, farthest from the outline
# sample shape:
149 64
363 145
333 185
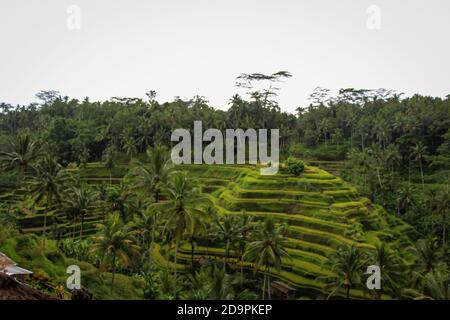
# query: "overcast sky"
189 47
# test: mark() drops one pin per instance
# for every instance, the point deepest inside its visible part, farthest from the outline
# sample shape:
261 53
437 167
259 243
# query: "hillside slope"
321 210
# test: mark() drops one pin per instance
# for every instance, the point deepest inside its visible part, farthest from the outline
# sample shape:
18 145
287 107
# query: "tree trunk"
444 223
227 252
192 255
348 292
81 230
113 271
49 205
44 234
269 289
175 271
73 229
264 287
421 174
241 255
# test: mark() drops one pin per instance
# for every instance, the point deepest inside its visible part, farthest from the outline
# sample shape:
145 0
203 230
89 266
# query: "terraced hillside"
321 210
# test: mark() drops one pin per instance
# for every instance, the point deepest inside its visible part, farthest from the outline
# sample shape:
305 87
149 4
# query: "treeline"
81 130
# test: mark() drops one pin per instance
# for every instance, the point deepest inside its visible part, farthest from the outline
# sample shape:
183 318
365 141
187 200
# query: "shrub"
55 257
295 166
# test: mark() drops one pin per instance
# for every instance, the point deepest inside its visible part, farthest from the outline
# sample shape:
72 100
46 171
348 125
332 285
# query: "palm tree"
48 185
129 146
183 211
21 155
109 160
118 199
442 204
346 263
80 202
436 285
427 253
405 198
151 177
244 226
419 152
391 268
225 230
267 250
145 128
115 240
145 225
213 283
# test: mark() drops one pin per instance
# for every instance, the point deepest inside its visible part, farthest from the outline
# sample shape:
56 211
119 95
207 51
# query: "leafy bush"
295 166
56 257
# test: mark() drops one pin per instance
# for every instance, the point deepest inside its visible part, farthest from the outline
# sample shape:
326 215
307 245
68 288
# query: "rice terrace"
126 183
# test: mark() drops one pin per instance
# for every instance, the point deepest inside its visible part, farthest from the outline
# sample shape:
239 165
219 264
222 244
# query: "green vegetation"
364 181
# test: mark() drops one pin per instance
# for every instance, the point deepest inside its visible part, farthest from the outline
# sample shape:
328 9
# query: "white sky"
189 47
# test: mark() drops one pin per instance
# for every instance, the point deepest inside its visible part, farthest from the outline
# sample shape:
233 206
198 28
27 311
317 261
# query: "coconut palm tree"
405 198
442 204
21 155
119 199
346 263
48 185
267 250
109 160
436 285
115 241
419 151
129 146
80 202
245 227
151 176
226 231
213 283
428 255
146 228
184 211
391 269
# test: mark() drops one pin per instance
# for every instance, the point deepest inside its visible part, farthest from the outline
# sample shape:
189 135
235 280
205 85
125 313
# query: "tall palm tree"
419 151
115 240
119 199
129 146
21 155
80 202
184 211
226 230
391 269
436 285
267 249
146 228
213 283
109 160
245 227
428 255
442 203
48 185
151 176
346 263
405 198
